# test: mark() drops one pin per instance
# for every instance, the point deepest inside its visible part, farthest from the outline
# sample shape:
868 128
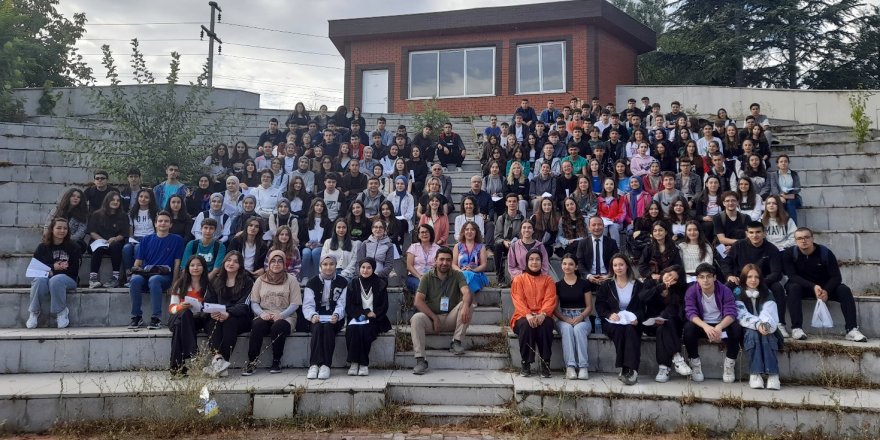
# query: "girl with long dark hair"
184 322
109 224
72 207
62 256
231 288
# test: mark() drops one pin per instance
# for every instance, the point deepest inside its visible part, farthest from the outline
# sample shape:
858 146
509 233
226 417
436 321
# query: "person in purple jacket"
710 308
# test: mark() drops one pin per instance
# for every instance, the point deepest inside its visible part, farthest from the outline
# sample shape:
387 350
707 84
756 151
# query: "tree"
651 13
851 64
150 126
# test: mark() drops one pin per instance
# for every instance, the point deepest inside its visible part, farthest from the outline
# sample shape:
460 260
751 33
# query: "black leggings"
627 341
277 332
531 340
223 335
115 253
693 334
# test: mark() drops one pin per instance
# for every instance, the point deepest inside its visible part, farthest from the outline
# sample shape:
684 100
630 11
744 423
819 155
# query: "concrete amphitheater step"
841 195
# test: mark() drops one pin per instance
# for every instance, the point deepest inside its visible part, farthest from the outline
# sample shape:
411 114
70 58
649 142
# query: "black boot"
526 369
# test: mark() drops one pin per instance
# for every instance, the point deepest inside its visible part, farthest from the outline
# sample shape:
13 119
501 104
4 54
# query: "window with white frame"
452 73
540 67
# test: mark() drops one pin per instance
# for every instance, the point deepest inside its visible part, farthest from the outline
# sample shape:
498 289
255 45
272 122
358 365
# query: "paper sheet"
721 250
324 318
213 308
546 195
196 304
496 198
626 318
96 244
132 240
356 322
607 221
36 269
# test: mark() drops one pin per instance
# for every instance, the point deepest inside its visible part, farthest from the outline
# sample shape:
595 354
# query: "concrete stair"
432 395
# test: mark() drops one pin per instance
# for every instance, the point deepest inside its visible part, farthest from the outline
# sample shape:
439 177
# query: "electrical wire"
280 62
285 50
271 30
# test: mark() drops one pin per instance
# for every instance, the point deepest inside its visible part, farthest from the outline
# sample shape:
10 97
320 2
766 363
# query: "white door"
375 91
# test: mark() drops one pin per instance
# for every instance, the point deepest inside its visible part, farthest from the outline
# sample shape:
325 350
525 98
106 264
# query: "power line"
285 50
146 55
155 23
281 62
274 30
139 39
274 83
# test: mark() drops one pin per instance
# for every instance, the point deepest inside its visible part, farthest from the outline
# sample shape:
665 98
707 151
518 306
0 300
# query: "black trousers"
323 342
532 340
627 341
454 157
667 340
693 334
841 294
358 340
115 253
500 252
223 335
277 332
184 328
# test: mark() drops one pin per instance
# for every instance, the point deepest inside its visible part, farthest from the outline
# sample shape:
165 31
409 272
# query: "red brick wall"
617 63
375 52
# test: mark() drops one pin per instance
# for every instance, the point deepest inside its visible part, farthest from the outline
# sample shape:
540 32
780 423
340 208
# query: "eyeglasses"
100 178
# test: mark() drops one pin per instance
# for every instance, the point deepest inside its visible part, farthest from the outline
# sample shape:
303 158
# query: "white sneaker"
570 373
856 336
63 318
32 320
313 372
220 365
662 374
94 284
773 382
363 370
783 331
324 372
756 381
353 369
798 334
729 374
458 169
681 367
697 370
583 374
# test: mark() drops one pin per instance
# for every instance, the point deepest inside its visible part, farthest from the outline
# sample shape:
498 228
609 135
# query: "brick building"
479 61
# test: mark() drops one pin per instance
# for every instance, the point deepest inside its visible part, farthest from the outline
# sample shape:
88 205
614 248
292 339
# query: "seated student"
231 288
444 303
284 241
111 224
637 202
354 181
663 298
231 200
432 189
585 198
283 217
72 207
450 148
660 253
274 299
366 302
694 249
612 208
812 270
252 247
359 223
248 211
183 322
314 230
379 246
622 292
343 248
516 257
534 302
211 250
679 215
160 252
371 198
778 227
95 194
221 219
266 194
181 221
711 313
395 229
750 202
546 223
687 181
62 256
784 182
575 299
324 299
668 194
470 257
756 311
517 183
402 201
729 224
572 228
304 172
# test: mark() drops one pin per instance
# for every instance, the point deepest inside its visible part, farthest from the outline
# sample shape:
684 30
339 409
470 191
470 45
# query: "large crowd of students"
664 224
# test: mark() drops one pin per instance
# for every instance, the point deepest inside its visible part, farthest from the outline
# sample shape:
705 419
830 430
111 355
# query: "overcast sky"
276 76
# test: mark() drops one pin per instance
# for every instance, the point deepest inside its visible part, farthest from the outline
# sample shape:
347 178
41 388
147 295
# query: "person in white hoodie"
266 194
778 226
757 314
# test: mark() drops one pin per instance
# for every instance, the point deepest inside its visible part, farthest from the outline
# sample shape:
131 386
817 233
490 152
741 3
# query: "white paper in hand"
213 308
722 250
324 318
196 304
546 195
821 316
496 198
626 318
36 269
356 322
99 243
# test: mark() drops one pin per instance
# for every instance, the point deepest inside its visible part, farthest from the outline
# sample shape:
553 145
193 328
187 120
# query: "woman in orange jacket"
534 302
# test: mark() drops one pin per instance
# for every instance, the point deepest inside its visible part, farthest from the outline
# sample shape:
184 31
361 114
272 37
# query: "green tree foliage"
652 13
429 114
851 64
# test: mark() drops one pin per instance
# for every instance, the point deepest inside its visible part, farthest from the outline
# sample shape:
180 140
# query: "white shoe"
363 370
353 369
783 331
313 372
729 374
32 320
95 284
856 336
458 169
798 334
324 372
662 374
773 382
697 370
681 367
63 318
756 381
571 373
220 365
583 374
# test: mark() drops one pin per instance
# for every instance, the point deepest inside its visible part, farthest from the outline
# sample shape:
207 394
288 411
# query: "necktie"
597 257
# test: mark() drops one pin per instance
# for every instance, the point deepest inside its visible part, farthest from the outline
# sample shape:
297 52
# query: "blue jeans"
574 339
311 260
129 251
762 352
791 207
412 283
55 289
157 285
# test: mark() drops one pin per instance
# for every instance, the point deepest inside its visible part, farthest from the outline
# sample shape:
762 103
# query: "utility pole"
215 11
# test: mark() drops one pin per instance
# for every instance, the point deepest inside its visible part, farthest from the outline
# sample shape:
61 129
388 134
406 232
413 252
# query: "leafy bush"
430 114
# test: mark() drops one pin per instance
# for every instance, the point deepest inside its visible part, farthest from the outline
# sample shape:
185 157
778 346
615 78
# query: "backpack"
194 249
823 253
225 218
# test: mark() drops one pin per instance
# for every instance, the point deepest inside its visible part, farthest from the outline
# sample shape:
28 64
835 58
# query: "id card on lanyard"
444 304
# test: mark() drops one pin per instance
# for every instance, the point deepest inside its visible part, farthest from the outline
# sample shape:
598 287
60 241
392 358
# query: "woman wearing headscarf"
403 202
324 306
248 210
232 196
274 299
366 304
224 221
534 302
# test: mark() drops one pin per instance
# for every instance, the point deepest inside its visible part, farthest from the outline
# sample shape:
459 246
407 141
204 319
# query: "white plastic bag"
821 316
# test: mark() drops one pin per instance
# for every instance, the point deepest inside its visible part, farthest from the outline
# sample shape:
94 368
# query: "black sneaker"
456 348
421 366
275 368
136 322
525 370
155 324
249 369
545 369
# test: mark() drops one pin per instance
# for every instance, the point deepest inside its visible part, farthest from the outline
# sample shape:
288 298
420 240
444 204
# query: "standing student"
156 264
618 294
366 304
756 311
314 229
183 322
110 224
575 299
324 307
534 302
663 299
170 186
274 299
62 256
231 288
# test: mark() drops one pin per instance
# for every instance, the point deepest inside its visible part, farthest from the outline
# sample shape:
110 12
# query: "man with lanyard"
443 301
158 255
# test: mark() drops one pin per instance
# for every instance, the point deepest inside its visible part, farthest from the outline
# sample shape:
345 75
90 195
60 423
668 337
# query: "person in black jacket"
450 148
110 224
660 253
586 254
63 257
230 288
324 300
314 229
664 305
252 247
616 295
812 270
754 249
366 303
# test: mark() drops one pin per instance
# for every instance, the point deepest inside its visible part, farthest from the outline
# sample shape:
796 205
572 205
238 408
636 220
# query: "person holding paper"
229 292
711 313
60 258
108 228
161 249
756 311
366 305
694 249
617 295
664 301
274 299
186 319
533 293
324 307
